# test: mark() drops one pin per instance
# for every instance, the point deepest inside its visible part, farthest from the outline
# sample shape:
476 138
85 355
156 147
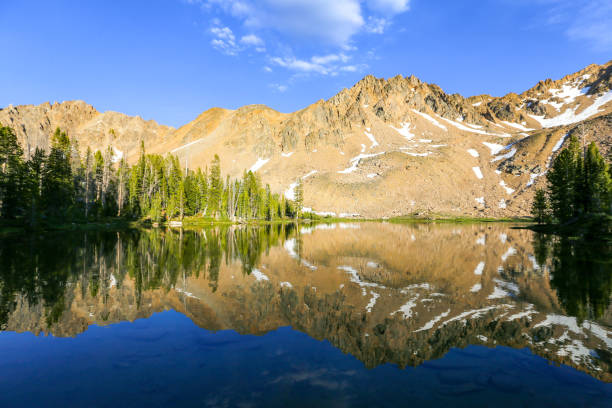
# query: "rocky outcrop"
34 126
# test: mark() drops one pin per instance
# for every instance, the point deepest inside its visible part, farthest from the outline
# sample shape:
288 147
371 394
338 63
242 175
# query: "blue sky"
169 60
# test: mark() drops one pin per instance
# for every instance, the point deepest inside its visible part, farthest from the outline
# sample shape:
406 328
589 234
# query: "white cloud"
267 69
593 24
333 22
326 59
376 25
279 88
589 21
330 22
224 40
389 7
251 39
300 65
288 26
254 41
330 64
350 68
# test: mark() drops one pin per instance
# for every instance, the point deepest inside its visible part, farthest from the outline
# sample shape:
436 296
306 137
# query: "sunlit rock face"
384 147
384 293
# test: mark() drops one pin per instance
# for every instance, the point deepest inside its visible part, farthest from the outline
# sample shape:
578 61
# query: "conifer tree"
87 180
597 181
57 183
123 173
107 181
578 185
156 186
539 209
299 198
267 203
215 187
35 168
134 190
11 173
562 185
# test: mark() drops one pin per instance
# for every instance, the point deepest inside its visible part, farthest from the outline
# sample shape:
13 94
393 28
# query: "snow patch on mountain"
570 116
258 164
430 119
473 152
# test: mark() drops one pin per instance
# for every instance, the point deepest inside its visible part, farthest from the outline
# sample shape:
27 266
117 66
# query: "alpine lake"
352 314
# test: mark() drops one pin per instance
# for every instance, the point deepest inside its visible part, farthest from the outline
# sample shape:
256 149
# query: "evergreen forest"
60 186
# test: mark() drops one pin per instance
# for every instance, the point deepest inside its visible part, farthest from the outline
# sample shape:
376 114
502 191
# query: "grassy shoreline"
113 223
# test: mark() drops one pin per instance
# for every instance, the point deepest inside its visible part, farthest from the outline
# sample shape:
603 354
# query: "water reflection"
385 293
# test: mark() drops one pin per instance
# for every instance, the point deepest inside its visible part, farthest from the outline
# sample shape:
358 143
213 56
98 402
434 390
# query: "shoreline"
594 225
15 227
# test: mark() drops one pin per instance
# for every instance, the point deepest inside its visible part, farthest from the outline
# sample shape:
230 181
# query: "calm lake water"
353 314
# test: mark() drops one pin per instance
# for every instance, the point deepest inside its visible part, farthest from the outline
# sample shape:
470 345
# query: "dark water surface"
331 315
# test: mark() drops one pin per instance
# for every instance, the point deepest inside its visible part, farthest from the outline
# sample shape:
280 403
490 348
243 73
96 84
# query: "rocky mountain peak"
409 141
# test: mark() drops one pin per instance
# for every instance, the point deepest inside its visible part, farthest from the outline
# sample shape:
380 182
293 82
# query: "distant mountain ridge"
381 148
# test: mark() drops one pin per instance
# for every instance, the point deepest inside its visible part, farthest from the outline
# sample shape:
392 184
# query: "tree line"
579 183
62 185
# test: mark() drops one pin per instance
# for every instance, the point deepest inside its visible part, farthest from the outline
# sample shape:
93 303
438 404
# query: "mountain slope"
35 124
381 148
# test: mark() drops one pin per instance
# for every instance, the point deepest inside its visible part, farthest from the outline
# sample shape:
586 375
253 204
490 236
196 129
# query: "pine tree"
597 181
88 168
98 173
283 207
35 168
57 183
539 208
299 198
576 167
561 180
107 182
155 186
267 205
11 173
215 187
135 190
578 185
123 173
203 189
156 207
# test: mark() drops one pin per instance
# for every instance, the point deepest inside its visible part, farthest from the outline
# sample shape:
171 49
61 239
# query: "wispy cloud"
224 40
284 29
300 65
331 22
589 21
278 87
593 24
330 64
254 41
376 25
389 7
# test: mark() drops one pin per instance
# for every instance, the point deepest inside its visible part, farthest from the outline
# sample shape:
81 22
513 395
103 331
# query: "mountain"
381 148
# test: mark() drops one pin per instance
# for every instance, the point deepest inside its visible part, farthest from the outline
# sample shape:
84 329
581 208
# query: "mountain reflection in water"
384 293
